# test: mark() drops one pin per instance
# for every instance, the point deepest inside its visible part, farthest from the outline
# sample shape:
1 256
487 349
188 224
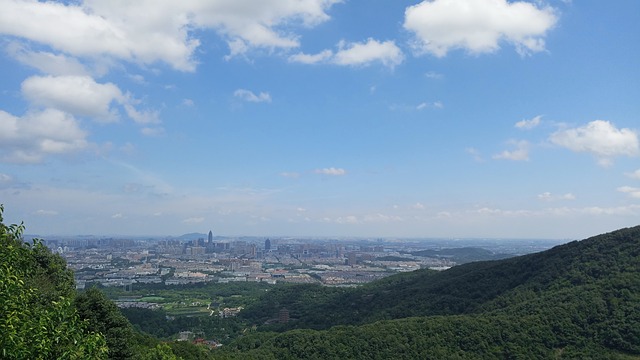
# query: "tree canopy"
37 317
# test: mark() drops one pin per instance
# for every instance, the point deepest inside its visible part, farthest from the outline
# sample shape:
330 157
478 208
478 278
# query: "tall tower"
210 239
267 245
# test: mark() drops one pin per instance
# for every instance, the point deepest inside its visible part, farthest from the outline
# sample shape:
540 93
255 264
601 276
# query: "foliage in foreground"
37 317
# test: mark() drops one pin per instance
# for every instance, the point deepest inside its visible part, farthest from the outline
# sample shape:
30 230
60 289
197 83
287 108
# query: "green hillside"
577 300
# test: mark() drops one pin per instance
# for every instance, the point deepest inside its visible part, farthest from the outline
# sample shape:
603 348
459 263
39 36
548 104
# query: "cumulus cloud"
83 96
520 153
600 138
37 134
323 56
249 96
331 171
529 124
356 54
365 53
79 95
478 26
47 62
632 191
141 116
119 30
147 31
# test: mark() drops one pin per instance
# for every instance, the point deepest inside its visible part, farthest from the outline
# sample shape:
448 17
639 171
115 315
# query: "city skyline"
411 119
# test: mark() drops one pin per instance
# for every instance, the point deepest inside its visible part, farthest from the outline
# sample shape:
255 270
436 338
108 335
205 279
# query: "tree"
35 323
104 316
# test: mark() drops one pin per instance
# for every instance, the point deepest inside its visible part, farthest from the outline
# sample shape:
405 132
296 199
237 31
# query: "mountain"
462 255
192 236
577 300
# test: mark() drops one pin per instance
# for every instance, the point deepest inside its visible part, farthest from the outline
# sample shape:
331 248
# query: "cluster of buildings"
176 261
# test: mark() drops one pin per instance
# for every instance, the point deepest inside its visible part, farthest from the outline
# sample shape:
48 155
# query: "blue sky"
441 118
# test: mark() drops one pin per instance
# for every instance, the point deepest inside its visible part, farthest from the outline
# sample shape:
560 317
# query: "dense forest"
576 301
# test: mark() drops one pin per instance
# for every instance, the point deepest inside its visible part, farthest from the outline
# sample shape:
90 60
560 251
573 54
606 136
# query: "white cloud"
188 103
128 31
320 57
520 153
147 31
117 216
365 53
83 96
46 213
478 26
331 171
600 138
141 116
356 54
418 206
249 24
547 196
634 175
632 191
433 105
529 124
47 62
38 134
4 178
79 95
247 95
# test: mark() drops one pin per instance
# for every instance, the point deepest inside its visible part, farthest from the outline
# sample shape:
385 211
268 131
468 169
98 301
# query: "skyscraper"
267 245
210 240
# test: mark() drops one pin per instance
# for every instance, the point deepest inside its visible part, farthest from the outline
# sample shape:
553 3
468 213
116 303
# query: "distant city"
200 258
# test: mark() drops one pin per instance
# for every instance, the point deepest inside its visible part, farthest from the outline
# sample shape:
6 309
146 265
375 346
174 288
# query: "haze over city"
440 118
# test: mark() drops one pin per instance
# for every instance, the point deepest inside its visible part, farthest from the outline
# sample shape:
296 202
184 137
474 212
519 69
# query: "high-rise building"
283 316
267 245
352 259
210 239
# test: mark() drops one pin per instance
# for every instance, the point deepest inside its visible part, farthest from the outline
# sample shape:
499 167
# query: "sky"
378 118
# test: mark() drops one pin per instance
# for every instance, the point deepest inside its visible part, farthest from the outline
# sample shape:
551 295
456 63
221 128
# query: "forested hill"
575 300
464 289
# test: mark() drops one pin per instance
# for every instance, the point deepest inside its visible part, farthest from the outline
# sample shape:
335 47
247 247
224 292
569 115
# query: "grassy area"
155 299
